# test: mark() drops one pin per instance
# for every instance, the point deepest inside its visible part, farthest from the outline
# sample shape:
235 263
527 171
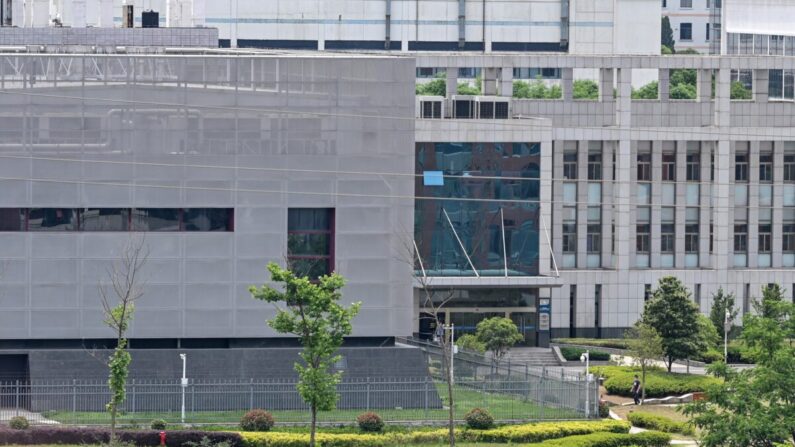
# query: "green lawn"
502 407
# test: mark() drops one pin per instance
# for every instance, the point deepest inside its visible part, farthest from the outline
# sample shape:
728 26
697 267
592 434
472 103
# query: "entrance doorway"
526 323
14 379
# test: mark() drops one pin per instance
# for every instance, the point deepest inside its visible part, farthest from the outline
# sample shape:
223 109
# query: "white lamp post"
184 384
726 323
453 350
586 358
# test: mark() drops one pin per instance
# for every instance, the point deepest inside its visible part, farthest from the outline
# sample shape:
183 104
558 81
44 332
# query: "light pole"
586 357
453 349
726 323
184 384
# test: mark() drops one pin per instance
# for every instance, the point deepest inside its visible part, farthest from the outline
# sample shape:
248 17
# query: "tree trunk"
112 423
313 426
670 363
643 384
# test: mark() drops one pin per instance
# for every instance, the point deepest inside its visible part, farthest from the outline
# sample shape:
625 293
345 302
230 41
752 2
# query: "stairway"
532 356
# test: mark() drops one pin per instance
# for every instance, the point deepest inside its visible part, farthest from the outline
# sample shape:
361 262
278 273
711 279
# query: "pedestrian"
636 388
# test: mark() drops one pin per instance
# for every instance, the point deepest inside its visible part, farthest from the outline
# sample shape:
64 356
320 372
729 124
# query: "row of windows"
688 4
116 219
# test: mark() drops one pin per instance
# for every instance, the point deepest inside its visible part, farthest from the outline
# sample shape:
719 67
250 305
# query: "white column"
545 229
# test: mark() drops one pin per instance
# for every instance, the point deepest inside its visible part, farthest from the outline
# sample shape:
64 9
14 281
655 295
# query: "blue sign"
433 178
544 308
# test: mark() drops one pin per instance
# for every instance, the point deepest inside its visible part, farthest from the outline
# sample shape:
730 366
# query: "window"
667 238
644 167
310 241
12 219
685 3
116 219
643 238
685 31
570 165
572 310
740 238
788 239
741 167
664 3
669 167
594 166
52 219
765 238
707 31
208 219
594 238
766 167
691 238
646 292
155 219
569 238
104 219
597 300
789 168
693 166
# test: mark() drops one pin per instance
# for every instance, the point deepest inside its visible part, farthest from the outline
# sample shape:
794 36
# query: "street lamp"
453 350
586 358
726 323
184 384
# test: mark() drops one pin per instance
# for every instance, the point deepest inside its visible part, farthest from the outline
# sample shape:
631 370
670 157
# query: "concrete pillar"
704 84
656 201
607 203
753 204
545 210
557 200
624 165
489 81
681 203
722 213
778 203
582 204
567 83
760 86
452 81
506 82
606 84
705 192
624 98
722 97
664 84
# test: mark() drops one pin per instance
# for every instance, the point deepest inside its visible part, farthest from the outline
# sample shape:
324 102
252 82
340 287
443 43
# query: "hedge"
660 423
573 354
615 343
508 434
658 383
645 439
141 438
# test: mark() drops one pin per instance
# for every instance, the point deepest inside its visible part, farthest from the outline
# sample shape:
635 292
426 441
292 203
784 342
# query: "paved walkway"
34 418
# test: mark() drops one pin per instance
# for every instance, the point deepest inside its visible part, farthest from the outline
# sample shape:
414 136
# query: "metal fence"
82 402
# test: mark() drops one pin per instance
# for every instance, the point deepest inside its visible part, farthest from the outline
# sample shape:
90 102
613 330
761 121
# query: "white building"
694 23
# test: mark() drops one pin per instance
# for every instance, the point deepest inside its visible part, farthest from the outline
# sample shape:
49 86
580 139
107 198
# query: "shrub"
19 423
660 423
142 438
658 383
157 424
278 439
479 419
604 410
370 422
547 430
470 343
645 439
573 354
616 343
257 420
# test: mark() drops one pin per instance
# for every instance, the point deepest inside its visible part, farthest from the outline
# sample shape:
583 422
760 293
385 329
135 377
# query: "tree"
721 302
498 334
665 50
437 87
645 346
756 406
470 343
667 35
118 295
707 333
648 91
314 315
672 313
738 91
585 89
536 89
466 89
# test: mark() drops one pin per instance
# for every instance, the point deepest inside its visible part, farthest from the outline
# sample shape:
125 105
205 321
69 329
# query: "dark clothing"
636 391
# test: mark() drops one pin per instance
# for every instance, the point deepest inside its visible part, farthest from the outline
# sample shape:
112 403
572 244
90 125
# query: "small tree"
123 288
470 342
721 302
314 315
498 334
645 347
667 34
674 316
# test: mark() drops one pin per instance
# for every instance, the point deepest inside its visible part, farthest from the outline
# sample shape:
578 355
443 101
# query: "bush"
470 343
479 419
278 439
615 343
604 410
658 383
257 420
437 87
645 439
573 354
585 89
547 430
370 422
711 356
19 423
141 438
157 424
659 423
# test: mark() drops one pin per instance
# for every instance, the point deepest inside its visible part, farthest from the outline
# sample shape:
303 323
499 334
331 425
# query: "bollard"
162 438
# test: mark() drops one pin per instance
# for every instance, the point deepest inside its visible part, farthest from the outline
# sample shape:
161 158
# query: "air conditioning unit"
493 107
465 106
430 107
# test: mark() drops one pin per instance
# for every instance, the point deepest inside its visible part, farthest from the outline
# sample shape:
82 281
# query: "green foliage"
370 422
648 91
157 424
604 409
645 439
688 51
119 365
314 315
437 87
498 334
479 419
739 92
207 442
721 302
573 354
645 347
257 420
665 50
674 316
616 343
470 342
19 423
658 383
547 430
585 89
667 35
536 90
756 406
708 333
466 89
683 91
660 423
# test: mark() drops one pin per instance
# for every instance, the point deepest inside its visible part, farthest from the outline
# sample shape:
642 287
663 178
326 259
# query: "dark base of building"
181 343
588 332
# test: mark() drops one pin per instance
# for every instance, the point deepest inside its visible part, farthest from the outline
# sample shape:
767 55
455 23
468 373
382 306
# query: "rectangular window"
570 165
155 219
669 167
569 238
116 219
697 295
765 238
310 241
740 238
789 168
12 219
685 31
766 167
741 167
685 3
667 238
597 301
643 238
644 167
646 292
594 238
691 238
208 219
104 219
693 166
52 219
707 31
594 166
788 237
572 310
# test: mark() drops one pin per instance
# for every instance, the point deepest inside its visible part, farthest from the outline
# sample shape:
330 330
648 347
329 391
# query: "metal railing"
422 400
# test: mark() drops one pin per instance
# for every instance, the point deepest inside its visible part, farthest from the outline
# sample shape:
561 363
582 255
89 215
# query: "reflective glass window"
12 219
310 233
52 219
208 219
104 219
155 219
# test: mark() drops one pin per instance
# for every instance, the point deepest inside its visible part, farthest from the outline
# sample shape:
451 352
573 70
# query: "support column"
753 204
656 201
506 82
721 211
704 85
624 165
489 81
705 195
664 85
582 204
557 200
606 83
567 83
607 203
545 210
680 204
623 98
722 97
778 203
760 86
452 81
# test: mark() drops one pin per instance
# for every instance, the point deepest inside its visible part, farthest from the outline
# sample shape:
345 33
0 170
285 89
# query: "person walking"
636 390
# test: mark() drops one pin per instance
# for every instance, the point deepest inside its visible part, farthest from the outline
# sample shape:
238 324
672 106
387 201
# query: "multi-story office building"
594 201
696 24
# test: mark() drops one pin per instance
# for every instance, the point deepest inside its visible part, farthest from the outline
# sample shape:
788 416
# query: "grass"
502 407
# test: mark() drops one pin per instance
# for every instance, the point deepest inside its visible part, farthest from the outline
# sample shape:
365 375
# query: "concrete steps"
532 356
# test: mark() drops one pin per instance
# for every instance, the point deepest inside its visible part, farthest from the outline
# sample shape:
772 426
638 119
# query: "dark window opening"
310 241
